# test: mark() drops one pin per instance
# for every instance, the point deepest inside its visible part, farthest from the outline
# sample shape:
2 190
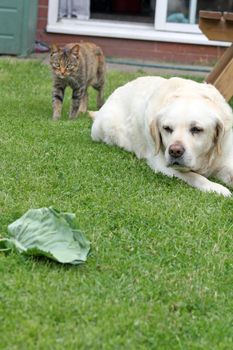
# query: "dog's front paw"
226 175
217 188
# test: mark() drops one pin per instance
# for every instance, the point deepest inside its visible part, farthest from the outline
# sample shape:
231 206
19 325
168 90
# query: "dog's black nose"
176 150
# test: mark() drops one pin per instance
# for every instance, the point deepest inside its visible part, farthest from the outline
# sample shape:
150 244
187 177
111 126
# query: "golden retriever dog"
180 127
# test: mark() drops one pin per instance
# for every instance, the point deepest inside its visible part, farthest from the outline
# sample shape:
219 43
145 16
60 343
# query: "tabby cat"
78 66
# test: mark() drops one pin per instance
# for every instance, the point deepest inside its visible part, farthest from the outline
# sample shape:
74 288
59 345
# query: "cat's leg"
84 103
100 94
77 97
58 95
100 97
99 84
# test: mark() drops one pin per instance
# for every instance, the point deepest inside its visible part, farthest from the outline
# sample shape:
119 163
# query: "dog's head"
189 127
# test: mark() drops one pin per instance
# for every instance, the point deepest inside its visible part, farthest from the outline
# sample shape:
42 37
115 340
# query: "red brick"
41 23
43 12
43 2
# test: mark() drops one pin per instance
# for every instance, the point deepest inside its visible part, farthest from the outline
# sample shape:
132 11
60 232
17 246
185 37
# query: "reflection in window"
141 11
178 11
214 5
74 9
187 11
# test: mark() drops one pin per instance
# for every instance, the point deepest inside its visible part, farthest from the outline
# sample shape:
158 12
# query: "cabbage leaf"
47 232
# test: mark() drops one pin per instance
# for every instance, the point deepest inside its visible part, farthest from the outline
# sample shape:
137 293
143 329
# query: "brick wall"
133 49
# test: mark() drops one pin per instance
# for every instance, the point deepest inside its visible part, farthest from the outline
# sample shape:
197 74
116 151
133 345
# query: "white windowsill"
113 29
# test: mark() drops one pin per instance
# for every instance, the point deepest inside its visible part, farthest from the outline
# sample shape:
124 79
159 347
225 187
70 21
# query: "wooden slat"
220 66
224 82
217 30
217 26
210 14
228 16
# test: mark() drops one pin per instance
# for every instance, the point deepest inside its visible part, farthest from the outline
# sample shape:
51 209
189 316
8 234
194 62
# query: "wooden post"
219 26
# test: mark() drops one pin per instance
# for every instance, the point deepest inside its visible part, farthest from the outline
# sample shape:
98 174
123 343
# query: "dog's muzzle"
176 150
176 157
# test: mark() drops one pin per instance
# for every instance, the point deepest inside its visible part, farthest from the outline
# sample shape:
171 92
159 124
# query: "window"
141 11
134 19
182 15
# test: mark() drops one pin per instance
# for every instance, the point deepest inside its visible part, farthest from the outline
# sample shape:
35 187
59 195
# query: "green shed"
17 26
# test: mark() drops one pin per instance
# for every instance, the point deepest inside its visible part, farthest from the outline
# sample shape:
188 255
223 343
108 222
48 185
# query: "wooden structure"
219 26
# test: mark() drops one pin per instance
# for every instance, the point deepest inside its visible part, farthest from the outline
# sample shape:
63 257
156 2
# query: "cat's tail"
92 114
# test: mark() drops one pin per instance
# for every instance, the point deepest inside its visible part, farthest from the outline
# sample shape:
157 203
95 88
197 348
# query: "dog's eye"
168 129
196 130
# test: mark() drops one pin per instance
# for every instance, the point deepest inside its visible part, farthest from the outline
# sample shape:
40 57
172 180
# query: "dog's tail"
92 114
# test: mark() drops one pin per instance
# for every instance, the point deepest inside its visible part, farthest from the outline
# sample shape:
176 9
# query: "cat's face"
64 61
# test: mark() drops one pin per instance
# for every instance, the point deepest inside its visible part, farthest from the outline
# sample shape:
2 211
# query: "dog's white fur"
153 116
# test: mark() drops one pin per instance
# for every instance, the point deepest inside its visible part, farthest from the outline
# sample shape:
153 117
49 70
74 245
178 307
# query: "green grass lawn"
160 272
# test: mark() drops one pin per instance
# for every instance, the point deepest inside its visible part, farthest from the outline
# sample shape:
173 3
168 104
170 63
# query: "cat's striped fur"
78 66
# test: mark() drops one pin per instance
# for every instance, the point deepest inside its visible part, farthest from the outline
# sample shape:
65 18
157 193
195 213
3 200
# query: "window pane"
142 11
187 11
214 5
178 11
124 10
74 9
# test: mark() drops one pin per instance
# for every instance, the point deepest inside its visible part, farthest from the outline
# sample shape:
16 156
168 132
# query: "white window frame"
161 31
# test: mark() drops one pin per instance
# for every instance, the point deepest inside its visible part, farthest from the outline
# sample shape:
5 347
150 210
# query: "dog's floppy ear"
219 133
154 131
224 110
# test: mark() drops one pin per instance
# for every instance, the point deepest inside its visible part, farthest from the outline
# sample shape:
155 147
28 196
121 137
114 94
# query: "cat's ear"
54 49
75 50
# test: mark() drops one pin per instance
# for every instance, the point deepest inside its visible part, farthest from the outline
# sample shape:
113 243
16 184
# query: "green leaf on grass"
47 232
